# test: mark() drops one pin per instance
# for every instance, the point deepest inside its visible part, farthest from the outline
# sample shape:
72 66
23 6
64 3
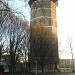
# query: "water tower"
43 35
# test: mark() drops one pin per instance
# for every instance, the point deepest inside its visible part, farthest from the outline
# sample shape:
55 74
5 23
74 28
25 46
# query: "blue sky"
65 20
21 6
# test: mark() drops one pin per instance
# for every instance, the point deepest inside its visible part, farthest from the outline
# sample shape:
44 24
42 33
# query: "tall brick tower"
43 35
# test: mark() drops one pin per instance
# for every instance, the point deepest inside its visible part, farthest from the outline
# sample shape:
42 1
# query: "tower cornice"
54 0
31 2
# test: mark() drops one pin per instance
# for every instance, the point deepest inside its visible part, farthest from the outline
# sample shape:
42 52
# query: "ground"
65 74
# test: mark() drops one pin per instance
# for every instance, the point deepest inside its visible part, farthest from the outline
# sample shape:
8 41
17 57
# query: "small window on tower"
34 22
51 22
42 20
56 24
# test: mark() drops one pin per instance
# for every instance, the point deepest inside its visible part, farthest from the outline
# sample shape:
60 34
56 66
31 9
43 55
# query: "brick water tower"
43 35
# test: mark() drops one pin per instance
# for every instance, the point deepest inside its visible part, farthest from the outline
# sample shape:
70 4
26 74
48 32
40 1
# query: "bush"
73 71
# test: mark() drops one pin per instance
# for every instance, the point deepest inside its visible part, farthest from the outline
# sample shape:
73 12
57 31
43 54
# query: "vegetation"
14 36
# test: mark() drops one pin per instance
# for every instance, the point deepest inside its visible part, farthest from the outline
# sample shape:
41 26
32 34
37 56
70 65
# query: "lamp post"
36 67
22 67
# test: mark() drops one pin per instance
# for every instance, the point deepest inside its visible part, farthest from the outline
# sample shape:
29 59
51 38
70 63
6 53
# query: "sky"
20 6
65 13
66 25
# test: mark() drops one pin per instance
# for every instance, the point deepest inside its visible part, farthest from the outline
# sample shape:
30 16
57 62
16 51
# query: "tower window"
42 20
51 22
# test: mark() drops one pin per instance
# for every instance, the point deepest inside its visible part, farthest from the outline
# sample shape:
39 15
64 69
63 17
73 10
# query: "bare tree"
1 49
14 33
71 48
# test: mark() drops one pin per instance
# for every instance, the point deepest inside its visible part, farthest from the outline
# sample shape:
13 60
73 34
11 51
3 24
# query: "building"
43 35
66 63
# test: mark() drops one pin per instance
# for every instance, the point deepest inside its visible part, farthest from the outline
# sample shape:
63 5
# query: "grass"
66 70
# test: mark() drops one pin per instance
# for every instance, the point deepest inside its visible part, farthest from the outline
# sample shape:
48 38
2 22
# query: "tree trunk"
42 68
11 70
14 69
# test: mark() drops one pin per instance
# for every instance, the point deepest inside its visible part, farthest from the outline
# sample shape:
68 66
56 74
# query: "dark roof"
31 1
54 0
